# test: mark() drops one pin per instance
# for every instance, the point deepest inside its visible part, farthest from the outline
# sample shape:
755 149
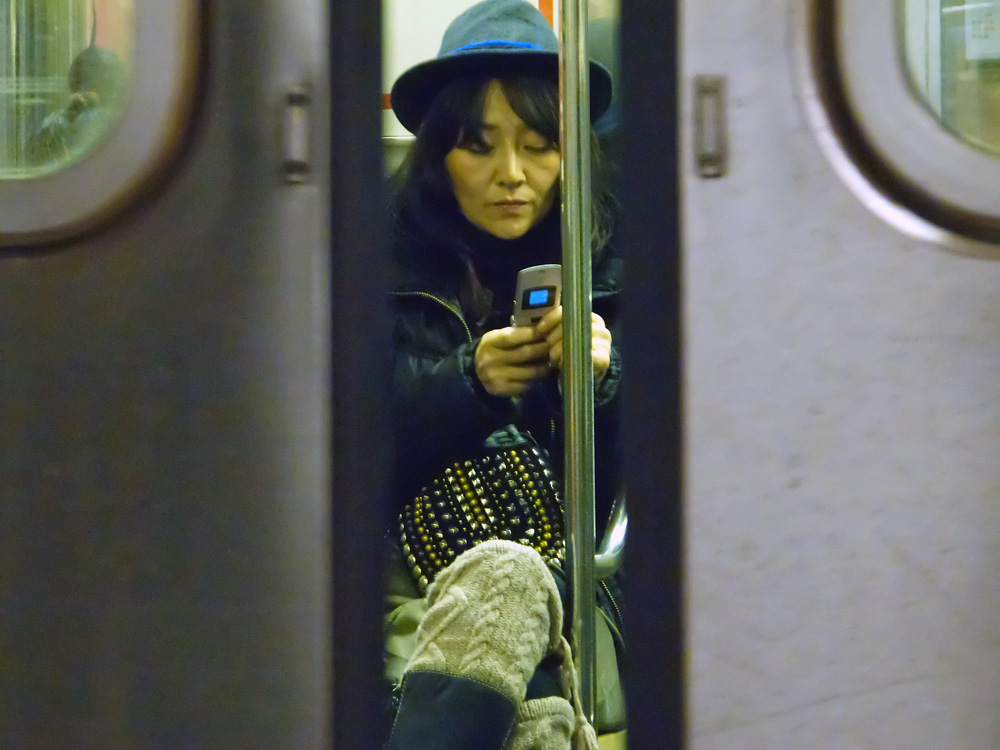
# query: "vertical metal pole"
578 373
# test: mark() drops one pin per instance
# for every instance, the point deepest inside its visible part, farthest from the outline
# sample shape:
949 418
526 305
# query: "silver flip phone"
538 291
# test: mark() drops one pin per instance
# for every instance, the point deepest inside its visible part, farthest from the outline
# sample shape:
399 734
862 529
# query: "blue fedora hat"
494 37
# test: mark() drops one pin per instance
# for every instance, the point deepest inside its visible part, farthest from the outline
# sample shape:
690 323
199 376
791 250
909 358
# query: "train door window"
94 96
904 97
953 57
65 74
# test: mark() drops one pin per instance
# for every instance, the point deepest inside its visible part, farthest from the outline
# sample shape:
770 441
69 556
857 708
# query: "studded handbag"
507 493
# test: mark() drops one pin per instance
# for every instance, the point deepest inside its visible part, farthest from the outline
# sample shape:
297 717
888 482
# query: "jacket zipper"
450 308
614 605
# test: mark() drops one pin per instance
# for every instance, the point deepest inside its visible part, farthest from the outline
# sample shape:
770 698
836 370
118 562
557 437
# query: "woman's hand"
550 328
509 360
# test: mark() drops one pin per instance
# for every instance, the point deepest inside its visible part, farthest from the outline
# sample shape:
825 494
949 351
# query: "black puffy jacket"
442 414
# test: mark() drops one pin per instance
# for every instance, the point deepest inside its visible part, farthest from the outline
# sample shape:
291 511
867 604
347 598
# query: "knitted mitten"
543 724
492 615
554 723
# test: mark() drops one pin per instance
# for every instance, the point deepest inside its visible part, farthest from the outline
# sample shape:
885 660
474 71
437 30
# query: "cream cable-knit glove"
554 723
543 724
492 615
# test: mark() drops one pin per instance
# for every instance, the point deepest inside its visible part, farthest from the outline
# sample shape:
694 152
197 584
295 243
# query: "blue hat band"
495 44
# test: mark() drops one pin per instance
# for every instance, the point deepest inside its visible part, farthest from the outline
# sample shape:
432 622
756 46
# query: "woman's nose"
511 170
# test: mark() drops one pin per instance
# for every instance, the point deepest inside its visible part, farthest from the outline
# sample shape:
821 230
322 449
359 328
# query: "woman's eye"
539 147
475 146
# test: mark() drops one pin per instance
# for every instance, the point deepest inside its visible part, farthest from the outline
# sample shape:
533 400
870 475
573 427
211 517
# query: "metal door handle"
711 147
296 158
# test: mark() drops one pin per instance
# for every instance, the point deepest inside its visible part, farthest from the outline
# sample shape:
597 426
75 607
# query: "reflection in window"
64 77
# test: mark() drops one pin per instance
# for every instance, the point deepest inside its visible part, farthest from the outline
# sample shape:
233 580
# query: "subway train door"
164 375
842 339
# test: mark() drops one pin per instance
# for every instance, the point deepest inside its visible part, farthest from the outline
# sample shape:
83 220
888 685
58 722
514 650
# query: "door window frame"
148 135
880 137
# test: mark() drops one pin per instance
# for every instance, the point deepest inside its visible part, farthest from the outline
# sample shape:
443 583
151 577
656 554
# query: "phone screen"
542 296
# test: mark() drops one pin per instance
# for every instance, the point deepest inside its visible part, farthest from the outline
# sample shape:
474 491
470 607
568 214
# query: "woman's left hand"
550 328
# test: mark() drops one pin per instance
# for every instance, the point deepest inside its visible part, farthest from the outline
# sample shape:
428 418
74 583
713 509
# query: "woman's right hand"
509 360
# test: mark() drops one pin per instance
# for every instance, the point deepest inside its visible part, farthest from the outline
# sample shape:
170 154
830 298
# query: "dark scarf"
496 263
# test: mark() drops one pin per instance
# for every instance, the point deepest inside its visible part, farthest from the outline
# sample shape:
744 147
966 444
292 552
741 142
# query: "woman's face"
506 183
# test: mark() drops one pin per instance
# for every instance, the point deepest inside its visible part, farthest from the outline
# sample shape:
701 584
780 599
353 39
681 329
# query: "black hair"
433 233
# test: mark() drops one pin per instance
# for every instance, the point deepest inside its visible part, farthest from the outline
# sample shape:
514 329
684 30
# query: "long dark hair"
433 235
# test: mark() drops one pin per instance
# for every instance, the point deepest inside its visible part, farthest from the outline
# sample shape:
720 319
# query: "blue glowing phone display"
542 296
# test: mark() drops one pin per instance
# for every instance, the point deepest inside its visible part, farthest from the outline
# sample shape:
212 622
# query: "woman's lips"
510 206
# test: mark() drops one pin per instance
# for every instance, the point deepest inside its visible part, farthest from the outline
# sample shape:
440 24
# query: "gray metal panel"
164 447
842 426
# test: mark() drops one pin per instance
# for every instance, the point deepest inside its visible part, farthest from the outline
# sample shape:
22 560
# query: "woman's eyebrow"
492 128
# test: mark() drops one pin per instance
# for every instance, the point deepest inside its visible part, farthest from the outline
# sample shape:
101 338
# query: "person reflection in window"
96 80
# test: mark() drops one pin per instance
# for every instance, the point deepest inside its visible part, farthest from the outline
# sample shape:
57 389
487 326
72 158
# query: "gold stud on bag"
509 494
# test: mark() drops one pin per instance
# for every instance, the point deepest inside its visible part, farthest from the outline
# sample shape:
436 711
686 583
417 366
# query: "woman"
479 657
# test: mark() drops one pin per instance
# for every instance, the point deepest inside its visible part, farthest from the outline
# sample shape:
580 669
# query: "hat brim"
414 90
